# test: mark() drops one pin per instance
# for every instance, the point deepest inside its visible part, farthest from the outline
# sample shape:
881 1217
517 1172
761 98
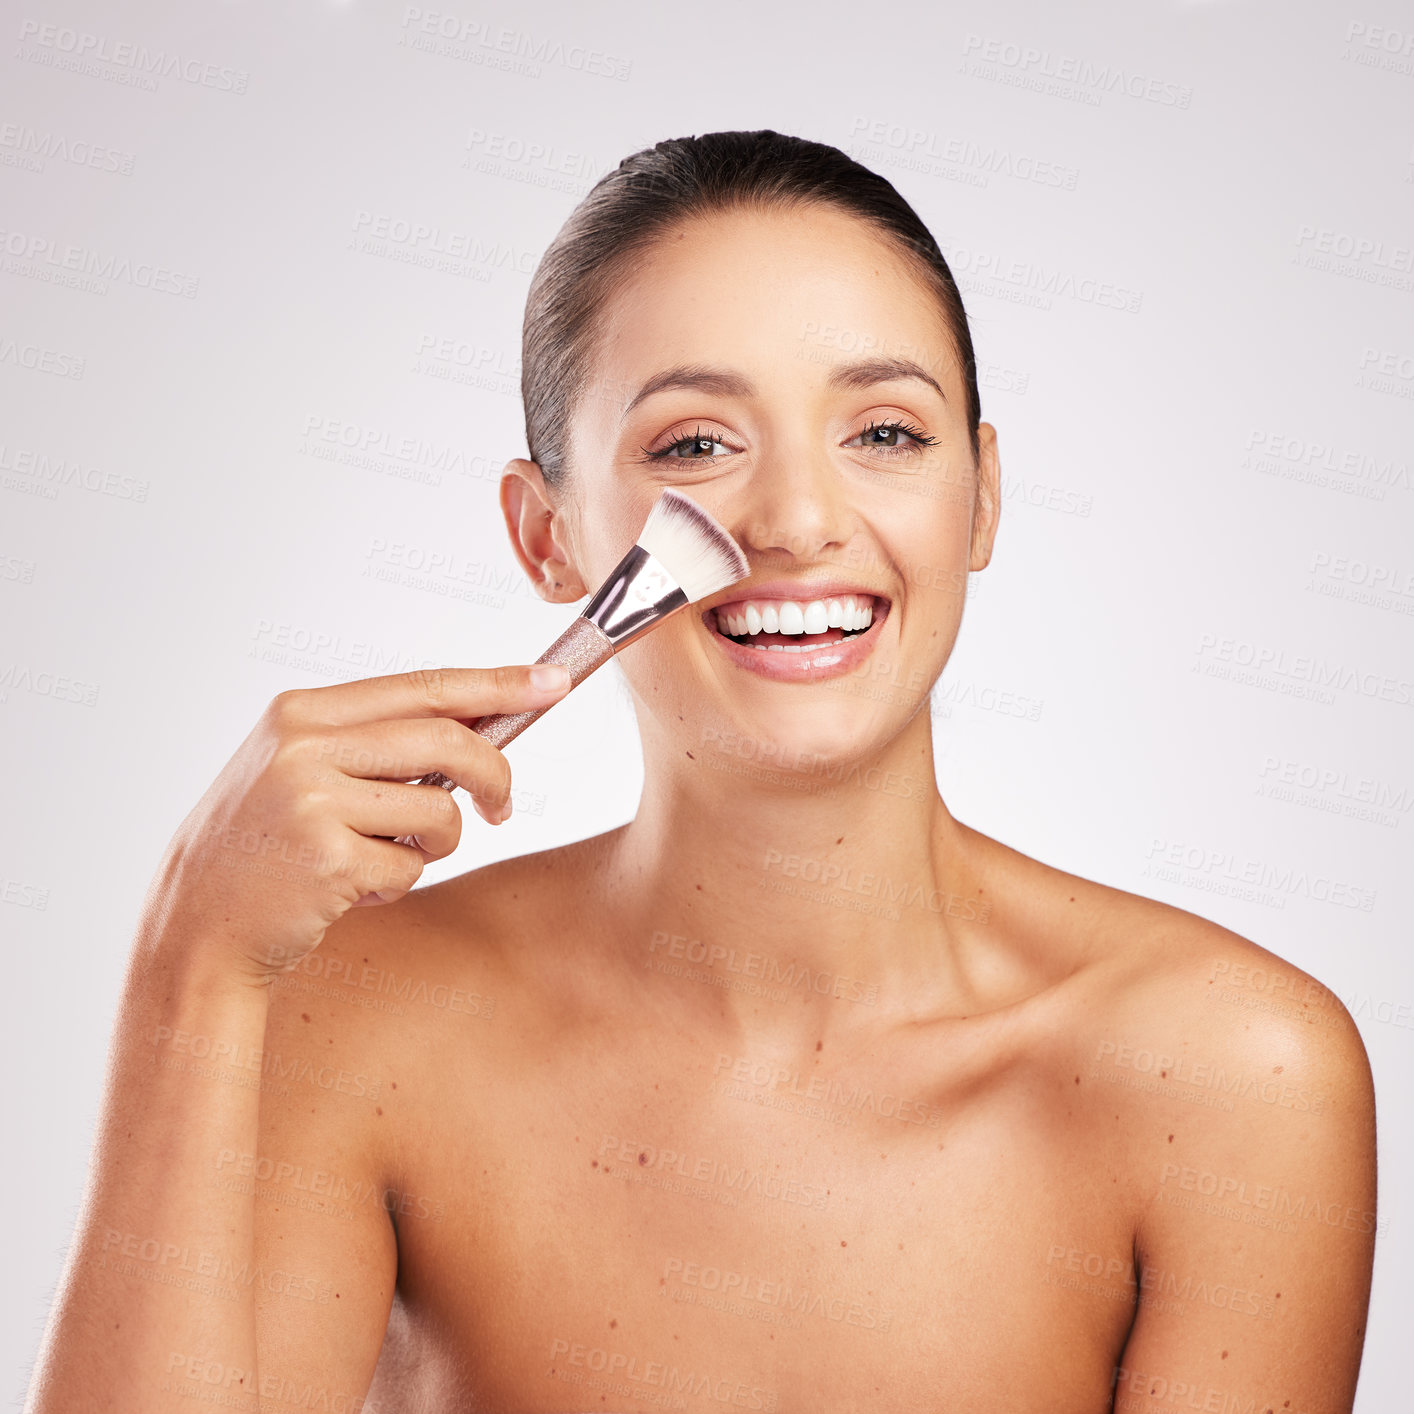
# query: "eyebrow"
863 374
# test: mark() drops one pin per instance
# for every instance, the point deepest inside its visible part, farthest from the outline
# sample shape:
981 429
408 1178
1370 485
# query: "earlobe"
531 513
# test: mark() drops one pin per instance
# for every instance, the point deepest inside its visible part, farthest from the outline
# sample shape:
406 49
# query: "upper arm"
1254 1252
325 1245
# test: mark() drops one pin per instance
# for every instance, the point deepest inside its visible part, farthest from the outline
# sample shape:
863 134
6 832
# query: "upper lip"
798 591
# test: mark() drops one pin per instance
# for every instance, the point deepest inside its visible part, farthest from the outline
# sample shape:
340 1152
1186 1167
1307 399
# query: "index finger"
461 693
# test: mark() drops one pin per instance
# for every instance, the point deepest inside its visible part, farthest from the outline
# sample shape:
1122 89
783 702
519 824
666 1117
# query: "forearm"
160 1271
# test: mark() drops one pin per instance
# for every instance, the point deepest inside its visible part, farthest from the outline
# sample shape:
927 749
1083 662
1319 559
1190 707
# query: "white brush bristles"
691 546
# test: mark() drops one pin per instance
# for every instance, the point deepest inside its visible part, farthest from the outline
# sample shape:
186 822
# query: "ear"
538 538
987 509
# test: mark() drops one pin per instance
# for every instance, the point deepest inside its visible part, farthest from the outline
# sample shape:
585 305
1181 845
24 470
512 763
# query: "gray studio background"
261 451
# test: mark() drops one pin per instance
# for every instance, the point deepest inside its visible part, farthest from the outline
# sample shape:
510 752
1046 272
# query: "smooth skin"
653 1120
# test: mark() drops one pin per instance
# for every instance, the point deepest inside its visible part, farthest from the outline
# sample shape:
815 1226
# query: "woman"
794 1092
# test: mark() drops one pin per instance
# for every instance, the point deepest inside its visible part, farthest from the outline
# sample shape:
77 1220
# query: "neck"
810 900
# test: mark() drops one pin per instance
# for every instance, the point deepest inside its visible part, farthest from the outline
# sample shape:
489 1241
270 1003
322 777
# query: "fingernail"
505 812
549 676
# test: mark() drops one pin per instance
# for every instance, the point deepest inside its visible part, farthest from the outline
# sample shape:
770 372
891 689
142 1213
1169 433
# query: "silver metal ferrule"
636 596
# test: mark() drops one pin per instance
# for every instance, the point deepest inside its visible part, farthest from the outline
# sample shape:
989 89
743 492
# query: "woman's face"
836 470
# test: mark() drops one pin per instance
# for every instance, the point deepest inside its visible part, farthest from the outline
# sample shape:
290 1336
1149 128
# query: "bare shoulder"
1134 968
1217 1004
1238 1080
383 977
517 894
390 988
505 922
1239 1093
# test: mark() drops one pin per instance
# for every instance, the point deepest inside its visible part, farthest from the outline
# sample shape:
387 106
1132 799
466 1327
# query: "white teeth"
850 612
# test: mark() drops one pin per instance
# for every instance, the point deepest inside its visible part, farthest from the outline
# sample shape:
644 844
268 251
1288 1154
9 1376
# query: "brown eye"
698 447
893 437
695 447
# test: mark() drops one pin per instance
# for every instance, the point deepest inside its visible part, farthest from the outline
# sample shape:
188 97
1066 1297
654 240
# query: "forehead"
780 295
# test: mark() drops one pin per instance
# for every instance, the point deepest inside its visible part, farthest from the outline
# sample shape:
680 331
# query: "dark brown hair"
659 188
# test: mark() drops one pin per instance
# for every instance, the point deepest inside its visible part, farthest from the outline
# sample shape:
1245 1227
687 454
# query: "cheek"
927 530
600 541
929 542
670 669
667 654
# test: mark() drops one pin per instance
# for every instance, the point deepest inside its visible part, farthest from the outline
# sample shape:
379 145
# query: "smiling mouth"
796 626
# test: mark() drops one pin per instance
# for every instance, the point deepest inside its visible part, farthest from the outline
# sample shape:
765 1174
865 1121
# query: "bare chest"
649 1227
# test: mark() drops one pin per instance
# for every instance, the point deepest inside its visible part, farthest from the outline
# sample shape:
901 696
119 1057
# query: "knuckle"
312 800
323 747
346 889
336 859
295 755
287 707
444 807
448 737
493 779
433 685
395 876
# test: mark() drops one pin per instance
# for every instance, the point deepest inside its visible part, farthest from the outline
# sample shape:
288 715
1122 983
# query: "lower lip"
830 660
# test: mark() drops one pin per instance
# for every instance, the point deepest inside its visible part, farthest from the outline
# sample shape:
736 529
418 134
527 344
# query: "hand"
299 826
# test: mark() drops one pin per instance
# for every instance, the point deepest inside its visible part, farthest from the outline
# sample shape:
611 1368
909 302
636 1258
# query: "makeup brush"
682 555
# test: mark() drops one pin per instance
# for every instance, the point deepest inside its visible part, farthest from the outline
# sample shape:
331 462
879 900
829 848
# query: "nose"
796 501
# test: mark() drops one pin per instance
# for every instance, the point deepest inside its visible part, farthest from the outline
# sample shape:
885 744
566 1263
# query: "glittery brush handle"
582 647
